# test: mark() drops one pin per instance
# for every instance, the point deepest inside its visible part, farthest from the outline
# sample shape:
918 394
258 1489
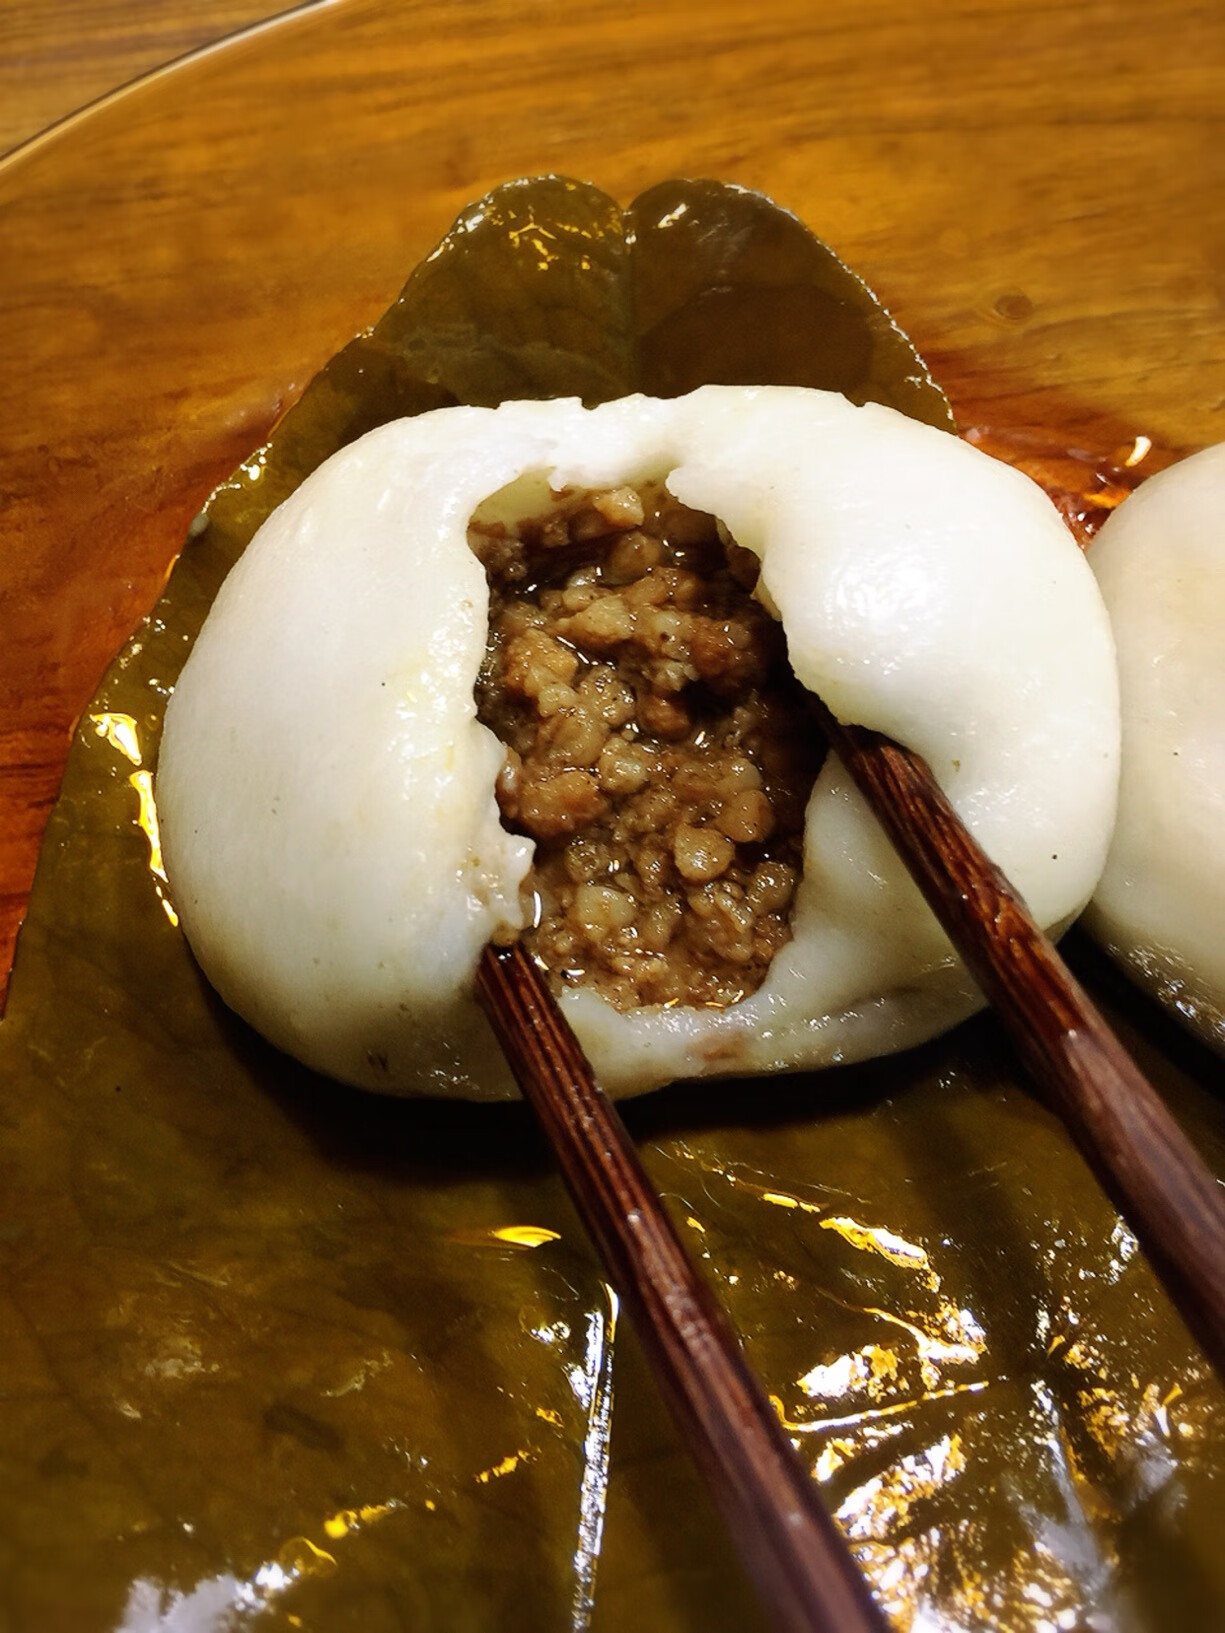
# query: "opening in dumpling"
659 748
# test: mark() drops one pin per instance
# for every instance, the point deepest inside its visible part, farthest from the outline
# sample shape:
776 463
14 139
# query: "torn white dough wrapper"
1160 907
326 792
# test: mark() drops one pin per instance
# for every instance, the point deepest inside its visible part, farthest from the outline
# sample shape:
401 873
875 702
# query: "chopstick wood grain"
789 1544
1128 1136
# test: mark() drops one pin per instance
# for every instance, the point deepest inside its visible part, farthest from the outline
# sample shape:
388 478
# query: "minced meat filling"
659 750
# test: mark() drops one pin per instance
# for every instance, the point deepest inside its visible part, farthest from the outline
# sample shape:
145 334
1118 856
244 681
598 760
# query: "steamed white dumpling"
1160 906
326 792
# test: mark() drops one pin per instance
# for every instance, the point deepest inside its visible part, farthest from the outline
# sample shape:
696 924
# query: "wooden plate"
312 1361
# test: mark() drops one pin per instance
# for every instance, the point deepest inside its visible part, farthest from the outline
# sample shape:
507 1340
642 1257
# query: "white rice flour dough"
327 795
1160 907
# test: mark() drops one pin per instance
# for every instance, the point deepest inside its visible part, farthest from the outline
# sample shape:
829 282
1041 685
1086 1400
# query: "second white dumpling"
1160 907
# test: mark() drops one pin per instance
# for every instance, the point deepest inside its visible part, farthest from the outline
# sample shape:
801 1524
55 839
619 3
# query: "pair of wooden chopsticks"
800 1565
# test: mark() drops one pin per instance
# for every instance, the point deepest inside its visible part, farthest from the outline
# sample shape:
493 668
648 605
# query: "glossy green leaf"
277 1354
731 290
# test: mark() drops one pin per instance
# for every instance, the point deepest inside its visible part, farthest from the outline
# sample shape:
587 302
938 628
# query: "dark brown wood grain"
1124 1130
790 1546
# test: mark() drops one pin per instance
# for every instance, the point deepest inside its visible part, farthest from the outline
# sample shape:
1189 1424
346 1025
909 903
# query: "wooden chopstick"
790 1546
1144 1161
793 1551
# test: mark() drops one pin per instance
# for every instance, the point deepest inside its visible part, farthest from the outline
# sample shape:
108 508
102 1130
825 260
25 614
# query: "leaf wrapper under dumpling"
546 289
306 1358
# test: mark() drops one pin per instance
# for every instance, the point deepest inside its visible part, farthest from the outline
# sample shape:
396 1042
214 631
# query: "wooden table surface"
1035 192
59 55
